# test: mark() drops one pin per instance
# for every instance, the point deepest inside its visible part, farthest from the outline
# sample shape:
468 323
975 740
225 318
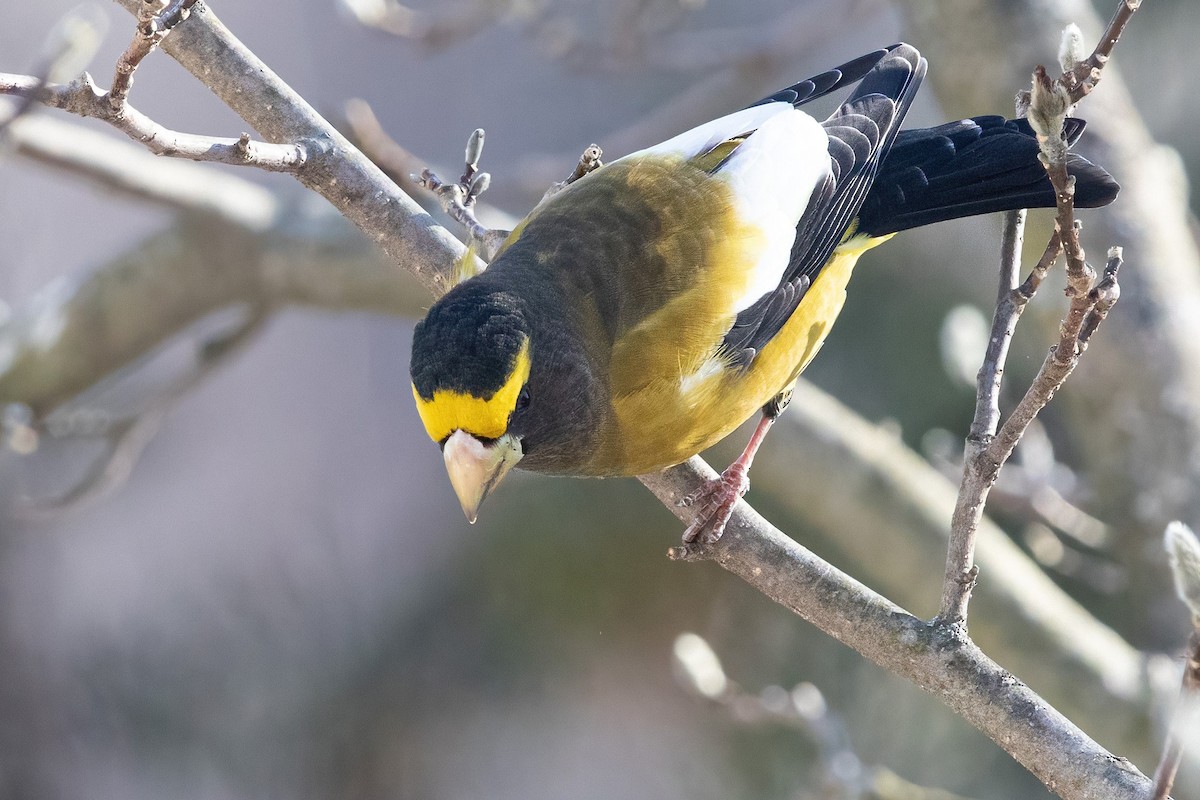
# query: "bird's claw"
715 499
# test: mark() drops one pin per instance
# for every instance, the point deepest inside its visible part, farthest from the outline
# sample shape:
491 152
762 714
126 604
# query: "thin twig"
156 18
1086 74
986 450
1004 322
453 197
978 473
1088 303
1033 281
458 201
1054 371
1104 296
82 97
589 161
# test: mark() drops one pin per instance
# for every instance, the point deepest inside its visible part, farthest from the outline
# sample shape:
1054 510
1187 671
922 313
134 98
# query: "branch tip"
1071 48
474 149
589 161
479 185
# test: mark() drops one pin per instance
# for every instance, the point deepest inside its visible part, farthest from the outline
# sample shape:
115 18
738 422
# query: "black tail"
973 166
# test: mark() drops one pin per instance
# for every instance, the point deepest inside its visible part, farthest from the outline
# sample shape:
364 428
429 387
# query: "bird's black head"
501 375
470 362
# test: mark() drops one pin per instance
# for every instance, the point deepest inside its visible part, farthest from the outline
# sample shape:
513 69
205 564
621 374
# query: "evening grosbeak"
644 312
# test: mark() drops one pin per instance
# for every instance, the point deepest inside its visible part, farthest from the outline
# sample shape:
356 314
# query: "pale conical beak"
475 468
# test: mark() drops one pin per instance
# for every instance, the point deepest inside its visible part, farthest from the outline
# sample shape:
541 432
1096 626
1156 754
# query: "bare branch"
1103 297
1140 434
1033 281
939 659
977 474
82 97
458 199
335 169
1047 106
1088 303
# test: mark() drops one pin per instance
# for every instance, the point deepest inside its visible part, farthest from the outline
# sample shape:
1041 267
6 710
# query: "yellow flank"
711 252
449 410
666 421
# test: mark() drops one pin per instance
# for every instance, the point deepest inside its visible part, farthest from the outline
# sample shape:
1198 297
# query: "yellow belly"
669 420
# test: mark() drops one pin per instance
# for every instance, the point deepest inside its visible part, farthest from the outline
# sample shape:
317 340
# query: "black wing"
829 81
860 134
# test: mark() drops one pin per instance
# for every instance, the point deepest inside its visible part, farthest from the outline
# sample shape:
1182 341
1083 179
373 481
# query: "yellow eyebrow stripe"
451 410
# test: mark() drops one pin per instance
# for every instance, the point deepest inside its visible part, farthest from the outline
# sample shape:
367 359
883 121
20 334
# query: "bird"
644 312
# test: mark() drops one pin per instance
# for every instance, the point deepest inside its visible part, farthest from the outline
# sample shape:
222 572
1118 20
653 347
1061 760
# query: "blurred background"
243 574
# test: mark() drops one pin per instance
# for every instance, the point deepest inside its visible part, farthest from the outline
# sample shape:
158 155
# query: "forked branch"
988 449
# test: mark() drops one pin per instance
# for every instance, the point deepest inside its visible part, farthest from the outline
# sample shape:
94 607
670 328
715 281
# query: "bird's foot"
715 500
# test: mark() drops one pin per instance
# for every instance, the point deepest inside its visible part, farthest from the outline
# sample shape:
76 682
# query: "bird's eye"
522 399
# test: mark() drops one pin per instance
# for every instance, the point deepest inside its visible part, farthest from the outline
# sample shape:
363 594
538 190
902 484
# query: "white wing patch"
773 175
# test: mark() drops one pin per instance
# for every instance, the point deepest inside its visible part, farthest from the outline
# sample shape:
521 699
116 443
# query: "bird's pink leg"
717 498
